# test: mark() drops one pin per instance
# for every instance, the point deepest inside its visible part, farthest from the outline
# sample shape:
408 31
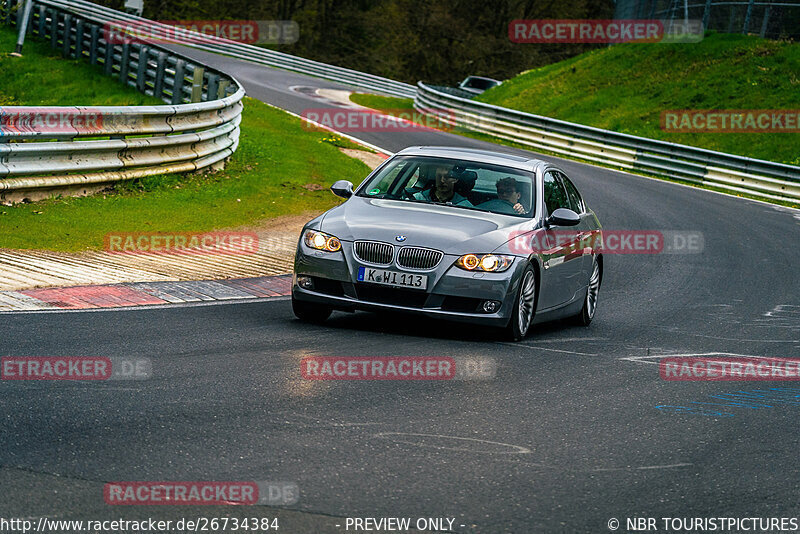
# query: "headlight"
322 241
490 263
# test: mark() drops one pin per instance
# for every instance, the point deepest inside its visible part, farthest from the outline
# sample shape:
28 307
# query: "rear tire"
524 307
584 318
309 311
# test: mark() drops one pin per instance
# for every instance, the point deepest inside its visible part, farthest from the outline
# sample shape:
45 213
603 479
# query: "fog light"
305 282
490 306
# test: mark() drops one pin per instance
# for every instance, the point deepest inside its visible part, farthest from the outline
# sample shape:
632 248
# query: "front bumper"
452 293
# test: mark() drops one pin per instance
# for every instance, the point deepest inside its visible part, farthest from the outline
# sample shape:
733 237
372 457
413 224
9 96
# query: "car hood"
449 229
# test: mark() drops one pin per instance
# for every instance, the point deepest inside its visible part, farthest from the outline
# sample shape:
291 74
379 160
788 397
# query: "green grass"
269 175
400 107
280 168
518 92
385 103
42 77
626 87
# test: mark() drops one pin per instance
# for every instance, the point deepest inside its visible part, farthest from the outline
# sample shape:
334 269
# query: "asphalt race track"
567 436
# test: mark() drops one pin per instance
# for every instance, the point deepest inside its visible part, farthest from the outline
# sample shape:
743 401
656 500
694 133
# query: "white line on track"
518 449
745 340
655 357
646 467
533 347
560 340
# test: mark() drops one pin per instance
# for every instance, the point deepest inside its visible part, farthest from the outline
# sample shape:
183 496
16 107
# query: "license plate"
392 278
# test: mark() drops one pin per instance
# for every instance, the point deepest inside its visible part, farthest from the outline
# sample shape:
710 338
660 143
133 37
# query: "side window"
574 197
554 194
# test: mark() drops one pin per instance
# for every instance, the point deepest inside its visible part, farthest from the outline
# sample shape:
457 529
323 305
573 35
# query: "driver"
507 200
444 189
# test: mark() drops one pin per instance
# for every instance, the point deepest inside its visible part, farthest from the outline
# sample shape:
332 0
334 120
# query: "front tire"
309 311
584 318
524 307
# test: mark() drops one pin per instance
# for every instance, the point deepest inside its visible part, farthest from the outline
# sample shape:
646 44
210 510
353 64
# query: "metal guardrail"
175 78
737 174
46 151
773 19
249 52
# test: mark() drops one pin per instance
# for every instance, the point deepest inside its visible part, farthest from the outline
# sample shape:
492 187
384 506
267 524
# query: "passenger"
507 200
444 189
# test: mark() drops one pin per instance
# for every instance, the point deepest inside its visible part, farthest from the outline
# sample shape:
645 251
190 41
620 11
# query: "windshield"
463 184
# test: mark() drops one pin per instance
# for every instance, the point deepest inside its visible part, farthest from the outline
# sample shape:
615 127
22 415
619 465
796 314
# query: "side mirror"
343 189
563 217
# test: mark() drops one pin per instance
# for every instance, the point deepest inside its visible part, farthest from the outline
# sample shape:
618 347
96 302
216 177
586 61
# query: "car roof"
473 154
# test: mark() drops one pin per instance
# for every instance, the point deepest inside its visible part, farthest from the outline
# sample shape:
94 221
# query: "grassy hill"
626 87
280 167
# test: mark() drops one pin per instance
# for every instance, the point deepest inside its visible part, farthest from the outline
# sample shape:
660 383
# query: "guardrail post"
124 63
42 30
177 86
747 16
706 14
108 65
93 32
765 21
141 69
79 39
213 86
223 89
54 28
158 87
66 43
197 84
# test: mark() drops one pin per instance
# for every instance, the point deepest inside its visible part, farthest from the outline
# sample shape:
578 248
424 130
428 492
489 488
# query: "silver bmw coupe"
461 234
